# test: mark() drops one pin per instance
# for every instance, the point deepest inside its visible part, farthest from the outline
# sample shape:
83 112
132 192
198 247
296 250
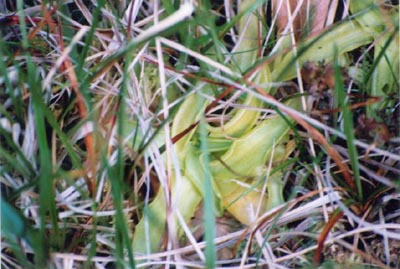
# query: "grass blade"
348 127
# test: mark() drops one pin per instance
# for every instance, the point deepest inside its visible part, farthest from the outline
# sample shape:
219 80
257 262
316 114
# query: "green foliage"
152 115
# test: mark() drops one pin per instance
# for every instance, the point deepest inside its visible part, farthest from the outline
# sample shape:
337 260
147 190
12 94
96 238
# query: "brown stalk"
318 255
67 66
71 76
370 101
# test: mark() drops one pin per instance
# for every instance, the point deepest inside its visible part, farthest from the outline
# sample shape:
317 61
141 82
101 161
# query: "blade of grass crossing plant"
122 239
348 127
196 162
208 206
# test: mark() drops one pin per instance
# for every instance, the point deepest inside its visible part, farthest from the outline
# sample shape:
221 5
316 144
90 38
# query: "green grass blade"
46 180
116 176
209 203
348 127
